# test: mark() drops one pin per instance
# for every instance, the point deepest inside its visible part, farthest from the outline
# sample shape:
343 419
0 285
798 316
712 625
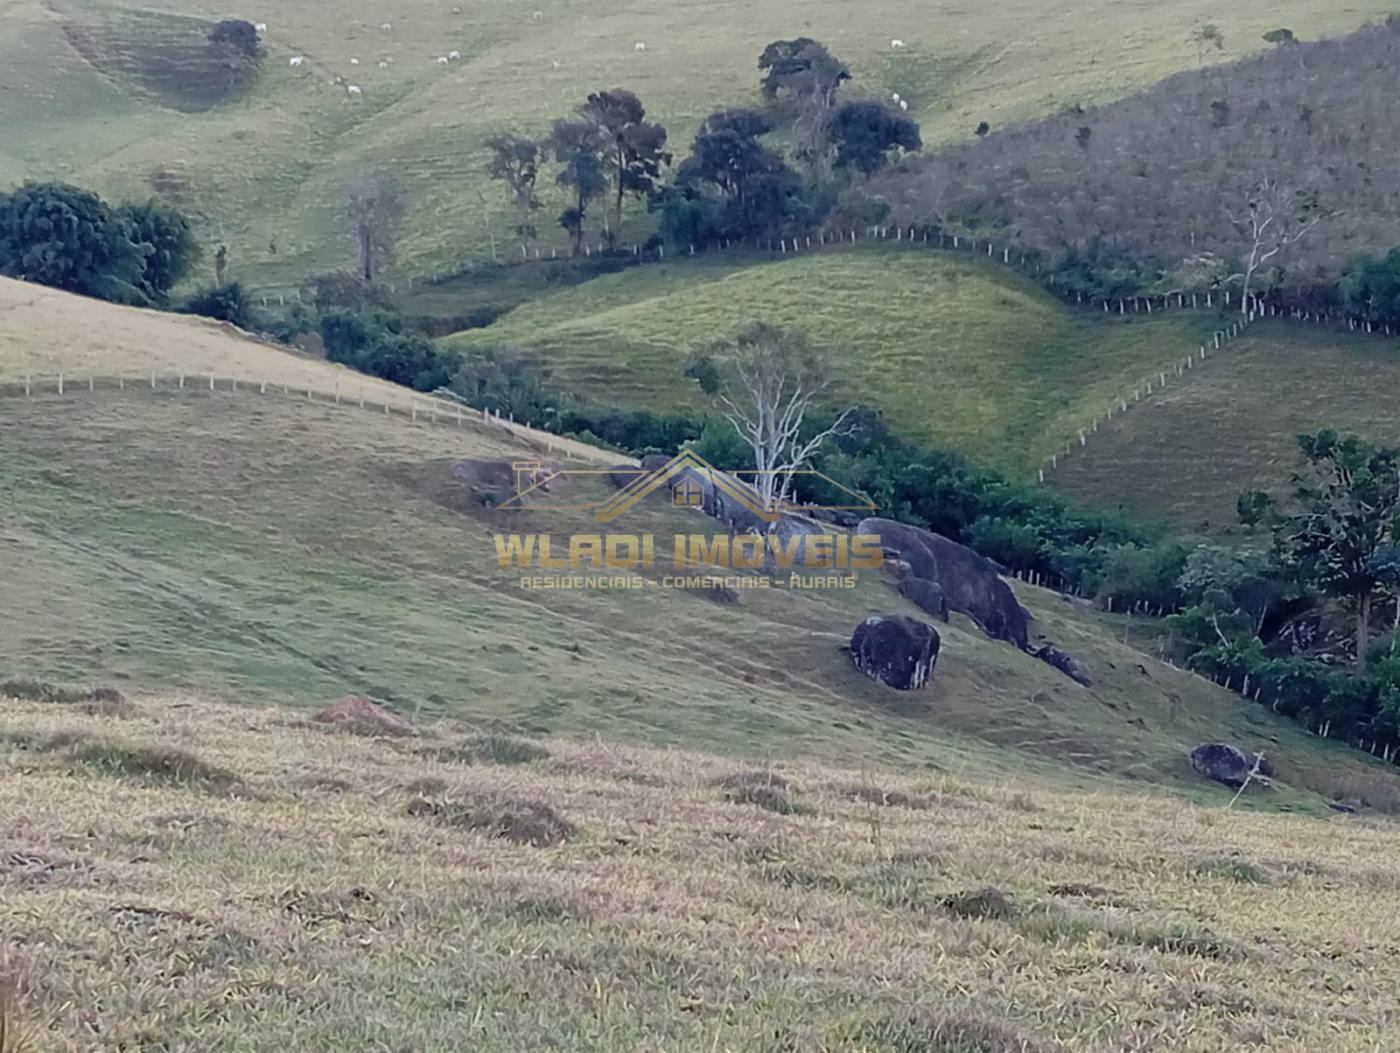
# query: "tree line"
734 182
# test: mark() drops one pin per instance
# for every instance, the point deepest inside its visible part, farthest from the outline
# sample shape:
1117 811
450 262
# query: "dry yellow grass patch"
45 332
329 891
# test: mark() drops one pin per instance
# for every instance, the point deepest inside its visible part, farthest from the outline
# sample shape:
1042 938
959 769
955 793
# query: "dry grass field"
176 875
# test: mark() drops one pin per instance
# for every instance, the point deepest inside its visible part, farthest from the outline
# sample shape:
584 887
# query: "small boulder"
1064 662
1227 764
364 717
925 595
898 651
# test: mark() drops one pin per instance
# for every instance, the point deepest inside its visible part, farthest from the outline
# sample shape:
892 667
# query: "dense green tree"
866 133
731 184
1347 495
636 147
59 235
578 145
165 239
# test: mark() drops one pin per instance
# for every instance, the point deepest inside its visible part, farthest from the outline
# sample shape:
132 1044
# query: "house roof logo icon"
688 478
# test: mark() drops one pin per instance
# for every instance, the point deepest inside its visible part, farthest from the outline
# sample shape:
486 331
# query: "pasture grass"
519 907
262 166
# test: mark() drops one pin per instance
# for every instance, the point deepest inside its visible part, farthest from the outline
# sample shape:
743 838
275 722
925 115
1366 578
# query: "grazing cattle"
383 63
386 27
442 60
454 55
904 104
297 60
354 62
353 89
639 46
555 63
895 96
896 43
260 27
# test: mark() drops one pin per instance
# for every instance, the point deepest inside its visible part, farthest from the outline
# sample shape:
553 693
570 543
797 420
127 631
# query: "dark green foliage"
381 345
225 303
578 147
164 238
635 149
237 37
1254 508
59 235
867 133
1347 496
732 186
345 290
1135 575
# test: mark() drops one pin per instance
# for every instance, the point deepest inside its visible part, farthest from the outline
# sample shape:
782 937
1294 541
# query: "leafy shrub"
224 303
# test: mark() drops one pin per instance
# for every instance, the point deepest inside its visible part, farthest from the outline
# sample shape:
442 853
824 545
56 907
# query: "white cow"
555 63
297 60
454 55
904 104
442 60
383 64
386 27
260 27
895 96
354 62
353 89
640 45
896 43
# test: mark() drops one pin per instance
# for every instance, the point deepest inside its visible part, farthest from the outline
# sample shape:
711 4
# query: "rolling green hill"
107 94
252 547
1186 453
953 350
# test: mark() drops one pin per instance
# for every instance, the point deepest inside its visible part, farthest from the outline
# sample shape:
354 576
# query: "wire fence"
421 410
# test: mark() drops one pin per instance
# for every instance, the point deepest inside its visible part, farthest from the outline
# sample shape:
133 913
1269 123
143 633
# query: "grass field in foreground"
1188 452
265 171
964 353
187 876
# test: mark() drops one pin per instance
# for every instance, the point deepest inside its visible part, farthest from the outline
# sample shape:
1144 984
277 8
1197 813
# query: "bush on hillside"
70 239
224 303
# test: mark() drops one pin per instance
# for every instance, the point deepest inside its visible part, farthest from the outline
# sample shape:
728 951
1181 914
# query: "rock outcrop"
1064 662
495 482
1227 764
896 650
970 584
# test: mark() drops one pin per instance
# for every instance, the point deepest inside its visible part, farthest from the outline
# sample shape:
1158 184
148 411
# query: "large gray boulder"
495 482
896 650
970 583
1227 764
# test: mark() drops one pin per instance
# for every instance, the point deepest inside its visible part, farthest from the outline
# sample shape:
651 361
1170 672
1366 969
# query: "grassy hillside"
106 93
253 548
953 350
1188 452
259 877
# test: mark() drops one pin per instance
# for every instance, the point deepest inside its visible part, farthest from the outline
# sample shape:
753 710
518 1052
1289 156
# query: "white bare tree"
1275 216
765 381
1206 35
